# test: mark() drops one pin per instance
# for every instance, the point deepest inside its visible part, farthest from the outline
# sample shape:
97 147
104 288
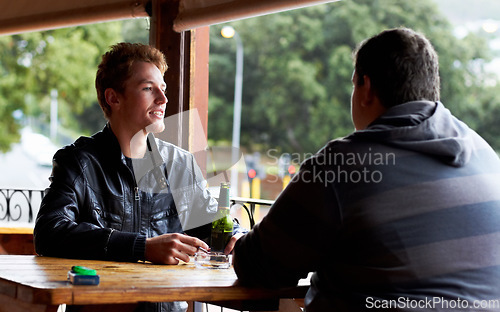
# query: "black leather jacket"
95 208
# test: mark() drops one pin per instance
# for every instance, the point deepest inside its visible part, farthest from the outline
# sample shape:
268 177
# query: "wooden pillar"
187 76
198 94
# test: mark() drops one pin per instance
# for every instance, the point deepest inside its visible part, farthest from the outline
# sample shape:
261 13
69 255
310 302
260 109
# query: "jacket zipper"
136 190
136 202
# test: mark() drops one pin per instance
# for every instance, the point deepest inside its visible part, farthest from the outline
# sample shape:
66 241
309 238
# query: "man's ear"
369 95
373 106
112 98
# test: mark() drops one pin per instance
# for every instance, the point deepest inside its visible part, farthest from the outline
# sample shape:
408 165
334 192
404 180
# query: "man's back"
404 213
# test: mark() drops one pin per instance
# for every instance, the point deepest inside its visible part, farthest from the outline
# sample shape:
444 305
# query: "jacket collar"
110 142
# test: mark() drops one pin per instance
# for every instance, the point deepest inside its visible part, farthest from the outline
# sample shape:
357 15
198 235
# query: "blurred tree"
68 63
32 64
298 68
12 93
136 30
297 73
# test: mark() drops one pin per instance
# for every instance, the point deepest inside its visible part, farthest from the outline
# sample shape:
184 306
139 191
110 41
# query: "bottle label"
219 239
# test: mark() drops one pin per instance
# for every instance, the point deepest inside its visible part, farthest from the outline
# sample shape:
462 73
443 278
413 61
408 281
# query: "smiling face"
142 104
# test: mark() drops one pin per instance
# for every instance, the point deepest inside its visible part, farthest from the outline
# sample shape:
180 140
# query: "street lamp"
229 32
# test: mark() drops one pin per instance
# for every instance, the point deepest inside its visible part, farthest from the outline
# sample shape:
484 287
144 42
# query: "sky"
474 16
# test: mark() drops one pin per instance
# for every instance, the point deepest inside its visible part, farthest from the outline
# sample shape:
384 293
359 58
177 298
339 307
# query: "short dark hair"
116 64
402 66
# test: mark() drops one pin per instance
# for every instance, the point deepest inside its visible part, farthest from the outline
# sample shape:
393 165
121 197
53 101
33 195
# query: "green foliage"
297 73
298 68
12 91
136 30
33 64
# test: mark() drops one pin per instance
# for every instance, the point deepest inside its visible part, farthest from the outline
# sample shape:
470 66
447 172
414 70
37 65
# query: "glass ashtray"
211 260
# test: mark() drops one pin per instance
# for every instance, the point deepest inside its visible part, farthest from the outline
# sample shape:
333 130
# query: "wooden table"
33 283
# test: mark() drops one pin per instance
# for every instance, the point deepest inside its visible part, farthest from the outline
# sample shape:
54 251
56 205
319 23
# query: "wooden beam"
27 15
197 13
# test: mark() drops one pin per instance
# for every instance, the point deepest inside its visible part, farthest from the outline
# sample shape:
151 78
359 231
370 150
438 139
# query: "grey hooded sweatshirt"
404 215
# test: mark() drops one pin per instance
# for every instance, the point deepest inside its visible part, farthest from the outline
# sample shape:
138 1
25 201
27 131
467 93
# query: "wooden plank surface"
43 280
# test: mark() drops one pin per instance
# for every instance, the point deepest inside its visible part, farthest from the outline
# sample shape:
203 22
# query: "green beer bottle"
222 228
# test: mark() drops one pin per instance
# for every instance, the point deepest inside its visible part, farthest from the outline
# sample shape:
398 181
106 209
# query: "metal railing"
249 205
18 205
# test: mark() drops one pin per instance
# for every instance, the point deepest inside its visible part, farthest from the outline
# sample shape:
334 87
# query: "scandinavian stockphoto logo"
165 168
348 167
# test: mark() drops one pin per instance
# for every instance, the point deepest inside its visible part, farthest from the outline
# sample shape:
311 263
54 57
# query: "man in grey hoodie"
402 214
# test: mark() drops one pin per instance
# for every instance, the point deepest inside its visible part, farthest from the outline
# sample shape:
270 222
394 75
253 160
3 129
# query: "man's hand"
170 248
231 243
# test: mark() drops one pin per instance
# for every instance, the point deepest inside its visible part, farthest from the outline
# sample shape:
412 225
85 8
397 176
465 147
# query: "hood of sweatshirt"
424 127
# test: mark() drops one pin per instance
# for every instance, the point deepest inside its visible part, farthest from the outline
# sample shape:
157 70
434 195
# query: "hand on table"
170 248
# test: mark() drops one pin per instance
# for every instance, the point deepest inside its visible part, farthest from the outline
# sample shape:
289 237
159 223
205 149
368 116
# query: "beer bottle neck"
223 210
